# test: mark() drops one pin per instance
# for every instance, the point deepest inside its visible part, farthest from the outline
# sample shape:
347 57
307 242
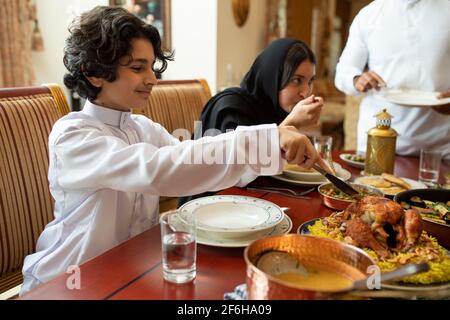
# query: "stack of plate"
295 172
294 175
236 221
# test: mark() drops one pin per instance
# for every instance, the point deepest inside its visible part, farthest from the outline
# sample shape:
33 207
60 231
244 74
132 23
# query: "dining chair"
26 117
176 104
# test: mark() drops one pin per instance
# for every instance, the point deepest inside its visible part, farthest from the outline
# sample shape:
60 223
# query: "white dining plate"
342 173
296 173
210 240
233 216
411 97
413 183
352 163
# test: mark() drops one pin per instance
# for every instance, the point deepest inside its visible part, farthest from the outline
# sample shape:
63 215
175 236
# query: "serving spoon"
338 183
403 271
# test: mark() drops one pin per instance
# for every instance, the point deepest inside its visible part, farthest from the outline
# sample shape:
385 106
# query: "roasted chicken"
380 224
362 236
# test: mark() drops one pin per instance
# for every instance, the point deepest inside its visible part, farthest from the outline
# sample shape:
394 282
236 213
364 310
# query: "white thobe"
108 168
406 42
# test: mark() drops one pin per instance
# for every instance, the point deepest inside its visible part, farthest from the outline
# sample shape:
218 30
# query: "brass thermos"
380 152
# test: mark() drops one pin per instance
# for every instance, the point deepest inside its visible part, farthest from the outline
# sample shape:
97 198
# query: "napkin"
239 293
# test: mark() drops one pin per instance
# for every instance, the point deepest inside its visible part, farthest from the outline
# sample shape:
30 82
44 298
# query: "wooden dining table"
133 269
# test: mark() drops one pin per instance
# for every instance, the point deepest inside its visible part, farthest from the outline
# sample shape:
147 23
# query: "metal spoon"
406 270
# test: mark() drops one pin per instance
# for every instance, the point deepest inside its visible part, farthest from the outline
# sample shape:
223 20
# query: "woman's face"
299 87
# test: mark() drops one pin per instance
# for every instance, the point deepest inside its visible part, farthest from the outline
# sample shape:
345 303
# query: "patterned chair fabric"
177 104
26 205
26 118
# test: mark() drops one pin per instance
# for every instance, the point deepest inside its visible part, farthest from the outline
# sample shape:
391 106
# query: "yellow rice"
439 270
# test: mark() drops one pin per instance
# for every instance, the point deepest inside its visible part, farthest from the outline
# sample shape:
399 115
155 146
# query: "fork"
285 191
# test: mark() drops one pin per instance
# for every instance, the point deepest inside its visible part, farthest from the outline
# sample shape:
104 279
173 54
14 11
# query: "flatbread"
392 190
396 180
376 182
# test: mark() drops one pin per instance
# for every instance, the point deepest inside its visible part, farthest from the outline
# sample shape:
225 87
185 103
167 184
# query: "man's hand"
368 80
305 113
445 108
297 149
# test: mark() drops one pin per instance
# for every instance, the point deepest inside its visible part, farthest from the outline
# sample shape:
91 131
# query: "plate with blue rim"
208 239
303 228
232 216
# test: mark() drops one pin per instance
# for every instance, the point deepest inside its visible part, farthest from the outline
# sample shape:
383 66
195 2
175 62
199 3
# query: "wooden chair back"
26 205
177 104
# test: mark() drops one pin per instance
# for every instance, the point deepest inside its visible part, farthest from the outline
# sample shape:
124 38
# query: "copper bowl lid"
344 259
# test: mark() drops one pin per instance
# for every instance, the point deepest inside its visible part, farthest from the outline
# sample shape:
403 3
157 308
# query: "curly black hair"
98 39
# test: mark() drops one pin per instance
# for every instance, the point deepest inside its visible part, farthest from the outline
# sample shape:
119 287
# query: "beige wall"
54 19
204 36
206 40
194 37
238 46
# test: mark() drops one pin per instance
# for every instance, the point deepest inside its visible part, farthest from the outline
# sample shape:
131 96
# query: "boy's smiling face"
134 79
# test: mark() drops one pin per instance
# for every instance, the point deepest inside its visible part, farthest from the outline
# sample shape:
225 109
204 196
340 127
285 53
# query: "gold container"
312 251
380 151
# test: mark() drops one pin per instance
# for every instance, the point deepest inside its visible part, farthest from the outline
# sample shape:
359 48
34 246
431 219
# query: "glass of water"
179 246
324 146
430 162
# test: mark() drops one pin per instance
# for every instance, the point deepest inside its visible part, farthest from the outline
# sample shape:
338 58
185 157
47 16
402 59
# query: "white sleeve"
353 59
87 158
153 131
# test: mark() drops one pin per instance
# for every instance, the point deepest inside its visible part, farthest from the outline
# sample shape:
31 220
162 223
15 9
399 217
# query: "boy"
108 167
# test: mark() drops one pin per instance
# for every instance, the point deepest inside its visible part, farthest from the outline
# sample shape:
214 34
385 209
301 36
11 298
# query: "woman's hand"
368 80
305 113
297 149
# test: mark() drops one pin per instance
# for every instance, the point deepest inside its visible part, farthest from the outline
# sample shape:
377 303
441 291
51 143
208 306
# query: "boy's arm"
86 158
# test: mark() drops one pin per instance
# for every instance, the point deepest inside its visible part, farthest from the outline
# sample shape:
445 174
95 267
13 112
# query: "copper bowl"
339 257
441 231
342 204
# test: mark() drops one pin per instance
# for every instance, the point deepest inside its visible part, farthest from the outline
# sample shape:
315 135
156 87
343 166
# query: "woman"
276 89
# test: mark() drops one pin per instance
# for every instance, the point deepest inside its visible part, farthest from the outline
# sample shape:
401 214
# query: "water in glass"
179 255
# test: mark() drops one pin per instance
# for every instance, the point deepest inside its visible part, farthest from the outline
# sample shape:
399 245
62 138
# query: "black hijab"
256 100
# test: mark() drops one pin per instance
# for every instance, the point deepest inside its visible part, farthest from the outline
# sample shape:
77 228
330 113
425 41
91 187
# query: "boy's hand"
297 149
305 113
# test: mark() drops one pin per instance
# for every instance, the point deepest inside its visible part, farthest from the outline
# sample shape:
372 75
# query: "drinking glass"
447 180
323 145
430 162
179 246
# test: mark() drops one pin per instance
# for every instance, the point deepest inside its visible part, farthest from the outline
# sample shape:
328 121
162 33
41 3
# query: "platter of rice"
424 249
